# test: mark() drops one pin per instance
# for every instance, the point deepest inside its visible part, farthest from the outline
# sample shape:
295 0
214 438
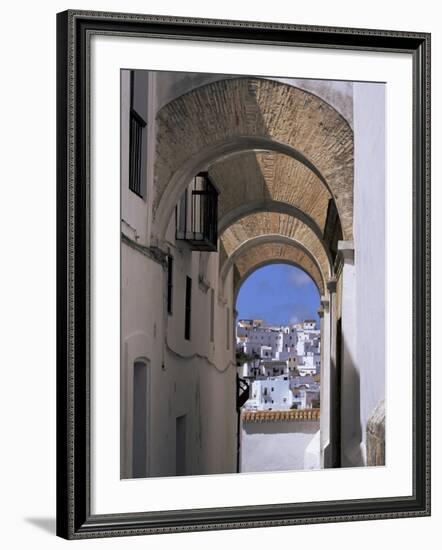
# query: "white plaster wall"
206 393
141 338
195 378
190 383
369 235
136 220
278 446
312 460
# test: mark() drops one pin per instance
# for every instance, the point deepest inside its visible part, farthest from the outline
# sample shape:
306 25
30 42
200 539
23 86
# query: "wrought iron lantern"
197 214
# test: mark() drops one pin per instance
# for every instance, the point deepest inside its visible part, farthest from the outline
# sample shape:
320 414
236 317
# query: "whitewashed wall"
278 446
195 378
369 234
186 376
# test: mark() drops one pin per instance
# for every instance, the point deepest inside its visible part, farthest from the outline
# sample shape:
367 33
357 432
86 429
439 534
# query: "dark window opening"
169 284
212 314
137 139
227 328
135 159
332 229
188 309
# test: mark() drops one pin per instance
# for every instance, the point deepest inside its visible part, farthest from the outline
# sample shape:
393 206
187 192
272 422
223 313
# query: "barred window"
137 136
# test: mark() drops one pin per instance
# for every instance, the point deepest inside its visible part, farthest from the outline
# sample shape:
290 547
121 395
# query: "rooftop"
281 416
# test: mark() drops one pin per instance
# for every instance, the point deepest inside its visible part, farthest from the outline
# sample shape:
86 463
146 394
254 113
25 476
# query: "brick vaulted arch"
275 252
274 225
249 114
263 178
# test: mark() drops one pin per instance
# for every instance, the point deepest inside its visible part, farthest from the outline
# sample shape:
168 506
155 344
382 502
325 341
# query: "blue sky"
280 294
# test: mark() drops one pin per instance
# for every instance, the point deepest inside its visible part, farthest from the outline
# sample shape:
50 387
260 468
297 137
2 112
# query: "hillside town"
281 364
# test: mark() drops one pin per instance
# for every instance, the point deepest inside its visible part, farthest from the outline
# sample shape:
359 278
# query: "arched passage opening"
278 349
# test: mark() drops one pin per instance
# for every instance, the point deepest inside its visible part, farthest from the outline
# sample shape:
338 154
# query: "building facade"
298 345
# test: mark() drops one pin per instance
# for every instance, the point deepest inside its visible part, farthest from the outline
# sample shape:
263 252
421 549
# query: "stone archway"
304 258
249 114
269 178
266 253
274 224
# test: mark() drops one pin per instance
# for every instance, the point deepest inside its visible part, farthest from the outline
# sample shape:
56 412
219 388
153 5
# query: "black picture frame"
74 518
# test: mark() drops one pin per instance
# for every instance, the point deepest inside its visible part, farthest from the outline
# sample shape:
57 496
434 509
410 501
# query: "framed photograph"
243 275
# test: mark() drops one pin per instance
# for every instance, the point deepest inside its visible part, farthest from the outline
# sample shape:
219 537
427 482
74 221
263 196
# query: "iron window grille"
197 215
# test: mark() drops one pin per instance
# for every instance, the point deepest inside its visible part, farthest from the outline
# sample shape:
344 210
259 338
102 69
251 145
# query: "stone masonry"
225 110
376 436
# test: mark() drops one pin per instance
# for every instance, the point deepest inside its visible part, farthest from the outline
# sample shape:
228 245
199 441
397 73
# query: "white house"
270 394
286 343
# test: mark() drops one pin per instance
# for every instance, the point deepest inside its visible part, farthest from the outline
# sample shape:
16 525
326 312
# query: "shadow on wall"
349 409
45 524
250 182
352 428
352 442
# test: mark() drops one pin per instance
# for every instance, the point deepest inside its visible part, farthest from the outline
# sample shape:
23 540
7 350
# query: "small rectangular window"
135 159
212 314
188 309
169 284
228 328
137 137
181 215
